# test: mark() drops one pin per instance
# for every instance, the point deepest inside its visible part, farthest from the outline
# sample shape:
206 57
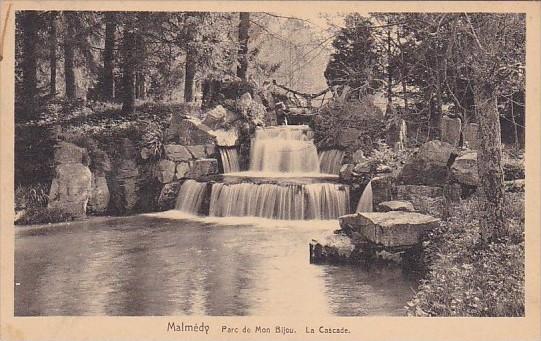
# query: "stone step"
394 229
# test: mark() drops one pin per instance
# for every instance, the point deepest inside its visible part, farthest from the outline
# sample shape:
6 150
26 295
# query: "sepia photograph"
269 164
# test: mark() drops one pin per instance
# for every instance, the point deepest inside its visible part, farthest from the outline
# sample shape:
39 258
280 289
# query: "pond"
173 264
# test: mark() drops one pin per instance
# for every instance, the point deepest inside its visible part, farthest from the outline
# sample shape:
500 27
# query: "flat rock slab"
395 205
333 248
391 229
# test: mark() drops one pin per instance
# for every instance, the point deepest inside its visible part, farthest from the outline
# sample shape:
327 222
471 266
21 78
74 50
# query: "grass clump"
43 215
31 196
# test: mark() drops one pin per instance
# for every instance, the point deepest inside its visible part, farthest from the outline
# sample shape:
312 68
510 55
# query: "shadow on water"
143 265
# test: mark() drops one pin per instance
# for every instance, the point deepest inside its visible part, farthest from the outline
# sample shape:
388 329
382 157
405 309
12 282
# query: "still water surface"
167 264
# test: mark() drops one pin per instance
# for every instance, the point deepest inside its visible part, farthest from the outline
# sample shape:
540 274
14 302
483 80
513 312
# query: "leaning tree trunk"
191 67
29 64
69 65
244 26
128 75
52 52
109 57
489 158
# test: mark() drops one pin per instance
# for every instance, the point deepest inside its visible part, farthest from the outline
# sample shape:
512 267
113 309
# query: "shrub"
43 215
153 140
383 154
31 196
337 115
467 279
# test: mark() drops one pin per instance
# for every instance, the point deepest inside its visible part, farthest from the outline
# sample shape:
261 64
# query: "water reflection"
155 266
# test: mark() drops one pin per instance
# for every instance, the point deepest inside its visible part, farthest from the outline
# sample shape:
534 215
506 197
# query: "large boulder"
101 163
471 136
182 169
333 248
215 117
197 151
71 188
394 228
202 168
252 110
226 138
425 199
99 195
175 152
188 131
451 130
464 169
165 171
220 117
396 205
346 172
381 189
365 167
66 152
124 185
358 156
127 148
245 101
513 169
429 166
168 195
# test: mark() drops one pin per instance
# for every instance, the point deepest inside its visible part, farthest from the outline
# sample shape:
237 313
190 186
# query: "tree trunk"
515 125
29 65
52 52
128 76
489 159
69 72
139 85
109 57
389 72
140 56
244 26
191 67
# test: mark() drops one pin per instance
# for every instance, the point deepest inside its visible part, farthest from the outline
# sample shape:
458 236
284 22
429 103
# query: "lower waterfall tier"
286 202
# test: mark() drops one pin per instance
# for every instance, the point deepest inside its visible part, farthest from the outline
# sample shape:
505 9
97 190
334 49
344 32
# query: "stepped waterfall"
366 201
230 159
190 197
283 149
284 181
330 161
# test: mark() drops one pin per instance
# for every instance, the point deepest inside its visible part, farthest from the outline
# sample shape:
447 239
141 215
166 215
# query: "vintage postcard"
270 170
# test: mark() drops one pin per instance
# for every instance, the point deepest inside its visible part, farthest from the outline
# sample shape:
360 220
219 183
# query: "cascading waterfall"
284 149
230 159
190 197
330 161
366 201
285 162
288 202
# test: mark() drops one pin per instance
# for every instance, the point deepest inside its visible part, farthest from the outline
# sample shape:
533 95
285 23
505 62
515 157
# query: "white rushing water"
230 159
288 157
285 149
190 196
366 201
287 202
330 161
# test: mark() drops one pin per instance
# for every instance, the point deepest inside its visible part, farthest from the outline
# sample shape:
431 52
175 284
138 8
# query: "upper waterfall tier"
284 149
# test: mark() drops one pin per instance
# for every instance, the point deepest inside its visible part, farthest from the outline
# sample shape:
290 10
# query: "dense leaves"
467 280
